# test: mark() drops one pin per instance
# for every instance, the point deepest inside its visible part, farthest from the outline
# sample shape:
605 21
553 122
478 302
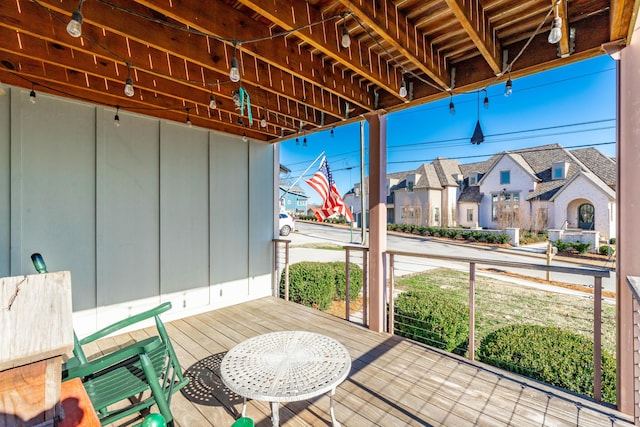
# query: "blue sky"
574 105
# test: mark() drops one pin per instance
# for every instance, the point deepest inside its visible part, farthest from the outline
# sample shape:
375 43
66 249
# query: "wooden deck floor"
393 382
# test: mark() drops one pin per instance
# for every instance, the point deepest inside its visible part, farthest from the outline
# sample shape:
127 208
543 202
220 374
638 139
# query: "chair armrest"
145 346
126 322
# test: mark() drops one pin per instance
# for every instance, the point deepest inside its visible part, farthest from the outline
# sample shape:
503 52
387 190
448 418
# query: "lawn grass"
500 303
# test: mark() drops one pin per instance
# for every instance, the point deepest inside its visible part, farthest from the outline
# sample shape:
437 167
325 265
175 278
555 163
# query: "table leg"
275 414
244 406
334 422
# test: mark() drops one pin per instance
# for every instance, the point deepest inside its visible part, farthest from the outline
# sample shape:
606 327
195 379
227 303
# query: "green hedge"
549 354
433 317
563 246
451 233
355 275
317 284
311 284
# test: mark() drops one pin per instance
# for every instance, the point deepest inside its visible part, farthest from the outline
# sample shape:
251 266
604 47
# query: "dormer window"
410 186
505 177
559 170
411 181
473 179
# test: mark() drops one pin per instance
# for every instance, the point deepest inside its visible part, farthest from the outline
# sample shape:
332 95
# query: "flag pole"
302 174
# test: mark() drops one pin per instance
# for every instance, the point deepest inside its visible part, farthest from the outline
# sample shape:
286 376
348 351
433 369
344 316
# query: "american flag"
323 183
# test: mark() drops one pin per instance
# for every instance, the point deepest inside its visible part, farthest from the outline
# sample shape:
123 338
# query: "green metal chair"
243 422
142 374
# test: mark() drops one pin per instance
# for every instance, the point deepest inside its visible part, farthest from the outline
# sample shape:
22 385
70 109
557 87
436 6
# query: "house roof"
603 166
594 179
298 191
428 177
470 194
447 169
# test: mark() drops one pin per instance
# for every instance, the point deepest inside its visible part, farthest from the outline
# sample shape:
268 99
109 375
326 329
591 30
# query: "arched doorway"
586 213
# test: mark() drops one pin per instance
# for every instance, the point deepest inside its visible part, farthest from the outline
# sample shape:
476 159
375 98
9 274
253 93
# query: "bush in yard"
433 317
340 274
582 248
311 284
605 250
549 354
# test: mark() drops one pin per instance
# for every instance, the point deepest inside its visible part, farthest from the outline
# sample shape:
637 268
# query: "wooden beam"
139 39
214 16
471 16
326 38
623 16
564 48
396 29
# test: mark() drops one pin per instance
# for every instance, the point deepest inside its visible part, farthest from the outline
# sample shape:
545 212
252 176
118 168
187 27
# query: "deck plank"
393 381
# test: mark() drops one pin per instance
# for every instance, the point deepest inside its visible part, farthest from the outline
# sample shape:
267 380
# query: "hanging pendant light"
74 27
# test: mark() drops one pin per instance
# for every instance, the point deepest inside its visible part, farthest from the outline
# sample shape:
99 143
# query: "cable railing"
634 285
357 255
280 267
493 301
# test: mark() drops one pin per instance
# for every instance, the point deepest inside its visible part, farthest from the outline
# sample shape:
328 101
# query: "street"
309 239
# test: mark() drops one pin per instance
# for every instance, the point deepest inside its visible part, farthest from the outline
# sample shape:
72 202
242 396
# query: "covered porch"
393 381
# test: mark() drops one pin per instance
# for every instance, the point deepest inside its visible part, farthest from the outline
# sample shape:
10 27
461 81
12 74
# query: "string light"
74 27
32 95
263 122
403 88
234 71
346 39
212 102
508 87
304 142
188 117
486 100
555 35
452 107
128 86
244 137
116 118
297 141
332 129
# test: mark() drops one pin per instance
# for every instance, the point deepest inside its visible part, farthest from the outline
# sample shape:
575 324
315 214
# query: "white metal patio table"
286 366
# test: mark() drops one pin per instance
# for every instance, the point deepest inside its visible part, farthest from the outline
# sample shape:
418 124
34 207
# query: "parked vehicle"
287 224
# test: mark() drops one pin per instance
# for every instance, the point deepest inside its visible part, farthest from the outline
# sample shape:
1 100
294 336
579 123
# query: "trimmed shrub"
549 354
612 241
582 248
340 274
433 317
311 284
561 245
605 250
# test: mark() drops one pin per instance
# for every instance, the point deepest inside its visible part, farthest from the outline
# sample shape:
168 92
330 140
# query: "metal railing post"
472 310
347 285
365 288
597 338
391 286
286 271
276 288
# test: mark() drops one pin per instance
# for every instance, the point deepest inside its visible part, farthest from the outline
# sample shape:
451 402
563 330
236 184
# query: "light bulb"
346 40
452 108
128 88
74 27
212 102
188 121
486 102
32 96
263 122
304 142
508 88
244 137
116 120
403 89
556 31
234 72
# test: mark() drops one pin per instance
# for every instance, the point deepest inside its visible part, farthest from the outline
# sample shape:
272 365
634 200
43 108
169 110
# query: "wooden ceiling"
293 67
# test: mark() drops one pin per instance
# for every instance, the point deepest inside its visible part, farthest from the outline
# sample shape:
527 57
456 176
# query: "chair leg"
156 389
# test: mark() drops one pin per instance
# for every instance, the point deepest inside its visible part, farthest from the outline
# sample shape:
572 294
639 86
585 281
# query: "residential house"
545 187
293 200
538 188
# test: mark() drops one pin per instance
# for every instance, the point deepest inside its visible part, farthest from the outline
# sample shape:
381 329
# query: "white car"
286 224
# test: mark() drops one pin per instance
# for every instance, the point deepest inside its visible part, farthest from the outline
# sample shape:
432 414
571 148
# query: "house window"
505 177
410 186
558 173
505 207
469 215
436 216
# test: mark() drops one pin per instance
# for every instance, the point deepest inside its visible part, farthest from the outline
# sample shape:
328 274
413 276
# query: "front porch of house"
393 381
